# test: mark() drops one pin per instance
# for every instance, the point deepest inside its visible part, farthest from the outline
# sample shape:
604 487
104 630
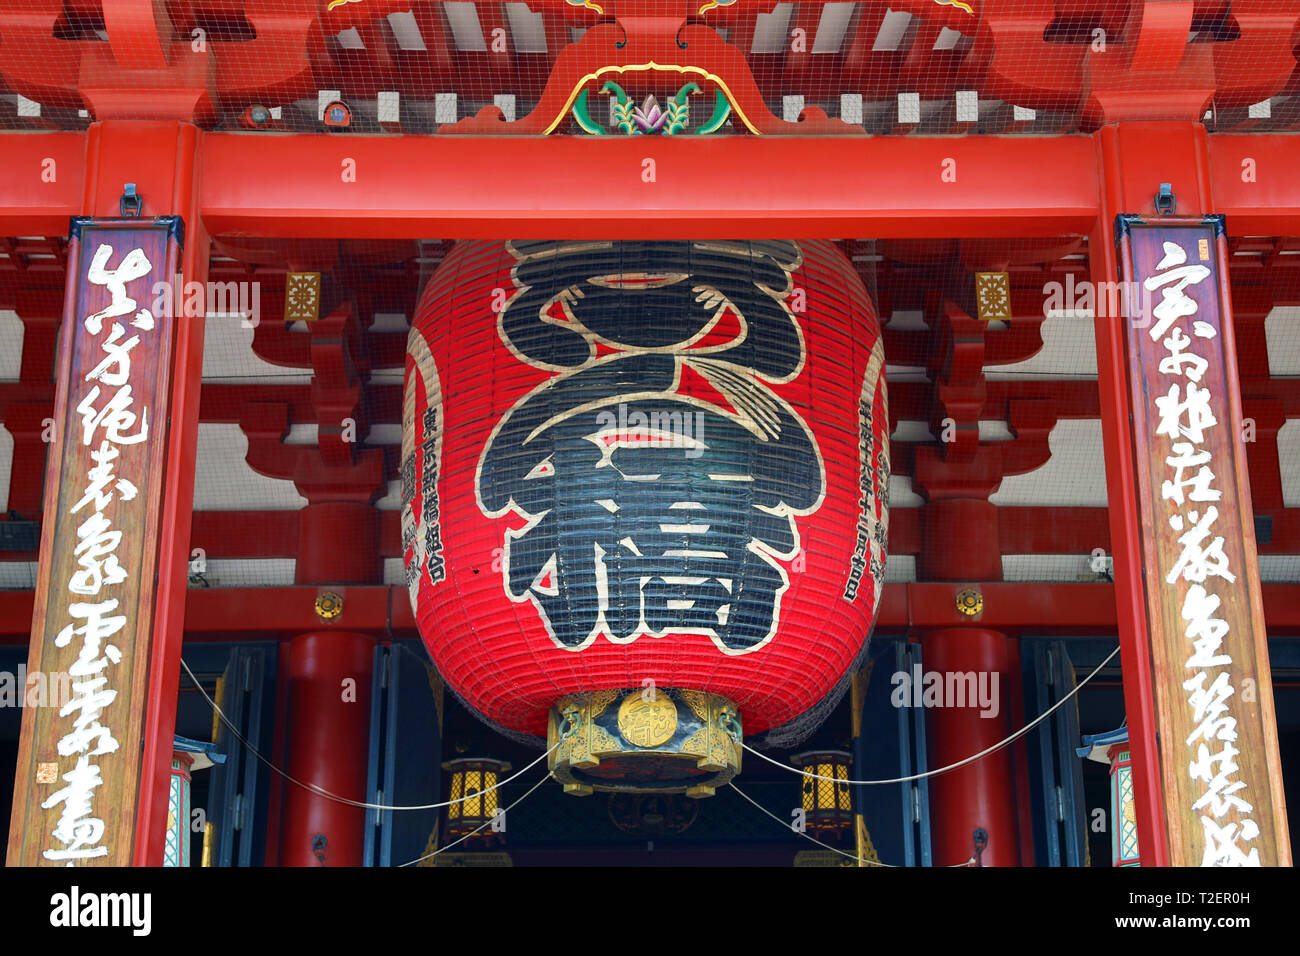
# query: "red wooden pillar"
1125 527
961 544
121 150
329 676
1134 159
981 794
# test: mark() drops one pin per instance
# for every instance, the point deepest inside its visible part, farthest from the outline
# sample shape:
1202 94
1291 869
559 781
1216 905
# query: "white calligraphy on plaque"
1185 416
110 418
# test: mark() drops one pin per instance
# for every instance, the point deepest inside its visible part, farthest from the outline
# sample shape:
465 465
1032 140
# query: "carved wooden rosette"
77 784
1220 769
644 740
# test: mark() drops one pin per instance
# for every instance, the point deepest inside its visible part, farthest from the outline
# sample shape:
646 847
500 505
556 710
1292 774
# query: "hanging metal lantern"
188 756
1112 748
644 491
1123 812
827 805
475 803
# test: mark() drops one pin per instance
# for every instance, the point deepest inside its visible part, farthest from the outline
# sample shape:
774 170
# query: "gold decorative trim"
695 748
993 296
866 849
301 296
969 602
329 605
697 701
858 697
652 66
648 719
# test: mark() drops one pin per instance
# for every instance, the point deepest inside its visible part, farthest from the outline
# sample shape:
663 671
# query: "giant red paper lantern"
648 478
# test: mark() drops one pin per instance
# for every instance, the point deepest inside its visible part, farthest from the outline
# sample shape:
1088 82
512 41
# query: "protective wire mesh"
908 66
1052 519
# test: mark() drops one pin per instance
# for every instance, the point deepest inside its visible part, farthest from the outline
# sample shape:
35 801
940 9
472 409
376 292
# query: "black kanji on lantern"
658 473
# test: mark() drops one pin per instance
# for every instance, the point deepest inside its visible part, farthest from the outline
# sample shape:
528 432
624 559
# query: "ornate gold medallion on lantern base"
645 740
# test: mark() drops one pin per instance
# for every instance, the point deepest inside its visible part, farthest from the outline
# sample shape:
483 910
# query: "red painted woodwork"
357 477
982 793
338 543
139 34
28 423
42 189
468 187
161 158
1129 164
1043 608
1126 529
1147 67
973 521
1019 753
328 683
325 709
1252 185
1036 530
1157 59
956 484
143 72
634 42
1032 530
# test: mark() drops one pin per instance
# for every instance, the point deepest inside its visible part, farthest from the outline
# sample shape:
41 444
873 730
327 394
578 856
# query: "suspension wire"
504 811
851 856
953 766
321 791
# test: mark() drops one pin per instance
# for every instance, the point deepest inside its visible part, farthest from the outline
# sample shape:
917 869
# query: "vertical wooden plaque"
1219 761
77 784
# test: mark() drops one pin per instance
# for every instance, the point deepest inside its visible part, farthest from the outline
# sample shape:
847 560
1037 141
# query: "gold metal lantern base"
644 740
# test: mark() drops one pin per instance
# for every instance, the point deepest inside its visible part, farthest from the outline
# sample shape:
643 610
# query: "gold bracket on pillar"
969 602
644 740
329 605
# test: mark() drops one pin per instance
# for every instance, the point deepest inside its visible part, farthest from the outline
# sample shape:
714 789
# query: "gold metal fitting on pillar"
969 602
329 605
644 740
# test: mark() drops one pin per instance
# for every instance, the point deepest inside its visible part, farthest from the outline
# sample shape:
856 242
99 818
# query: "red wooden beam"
1253 183
1021 530
41 177
471 188
139 34
415 187
743 186
1045 608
